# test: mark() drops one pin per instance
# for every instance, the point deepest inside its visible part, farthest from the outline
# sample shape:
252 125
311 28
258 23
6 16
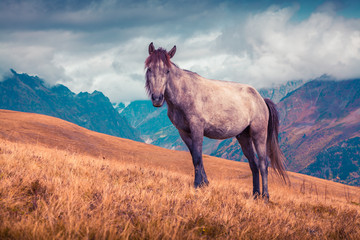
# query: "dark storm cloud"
114 20
94 15
102 45
109 22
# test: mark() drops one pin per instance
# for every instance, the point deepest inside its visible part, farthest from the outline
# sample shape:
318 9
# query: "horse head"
158 70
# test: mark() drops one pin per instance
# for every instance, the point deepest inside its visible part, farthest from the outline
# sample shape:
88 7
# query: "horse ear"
151 48
172 52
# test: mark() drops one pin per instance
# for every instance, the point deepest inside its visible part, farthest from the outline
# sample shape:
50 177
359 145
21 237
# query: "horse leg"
260 146
186 139
194 142
246 145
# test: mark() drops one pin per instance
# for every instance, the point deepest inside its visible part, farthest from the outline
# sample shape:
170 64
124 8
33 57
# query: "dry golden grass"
55 194
61 181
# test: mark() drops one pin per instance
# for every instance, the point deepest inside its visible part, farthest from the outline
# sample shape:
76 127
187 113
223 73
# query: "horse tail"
273 149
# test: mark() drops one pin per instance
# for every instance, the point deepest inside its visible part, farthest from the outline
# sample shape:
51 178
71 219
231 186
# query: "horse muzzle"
157 99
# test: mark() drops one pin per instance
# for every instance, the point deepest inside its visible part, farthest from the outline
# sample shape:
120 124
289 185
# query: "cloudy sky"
102 44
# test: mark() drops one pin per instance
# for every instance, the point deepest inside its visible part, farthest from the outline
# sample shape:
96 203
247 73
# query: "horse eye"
149 69
167 72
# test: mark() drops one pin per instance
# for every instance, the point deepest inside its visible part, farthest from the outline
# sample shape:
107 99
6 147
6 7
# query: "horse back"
223 109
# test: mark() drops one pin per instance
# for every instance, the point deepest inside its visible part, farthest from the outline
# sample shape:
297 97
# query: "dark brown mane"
158 55
147 86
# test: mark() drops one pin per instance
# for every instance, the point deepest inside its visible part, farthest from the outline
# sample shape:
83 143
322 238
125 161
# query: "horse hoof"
266 198
201 184
256 195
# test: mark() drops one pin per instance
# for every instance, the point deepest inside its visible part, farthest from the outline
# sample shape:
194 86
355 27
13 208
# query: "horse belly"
225 131
227 120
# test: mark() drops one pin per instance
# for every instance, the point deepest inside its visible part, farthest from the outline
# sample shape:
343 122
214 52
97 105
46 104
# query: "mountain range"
321 129
94 111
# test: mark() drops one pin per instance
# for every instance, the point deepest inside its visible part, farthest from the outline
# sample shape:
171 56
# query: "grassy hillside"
47 193
66 182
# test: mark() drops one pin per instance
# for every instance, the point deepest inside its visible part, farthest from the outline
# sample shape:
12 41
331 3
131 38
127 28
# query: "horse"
216 109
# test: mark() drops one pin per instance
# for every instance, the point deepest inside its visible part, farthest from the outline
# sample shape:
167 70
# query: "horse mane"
147 87
158 55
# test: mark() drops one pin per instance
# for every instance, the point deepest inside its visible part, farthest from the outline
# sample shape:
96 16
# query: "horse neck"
177 86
